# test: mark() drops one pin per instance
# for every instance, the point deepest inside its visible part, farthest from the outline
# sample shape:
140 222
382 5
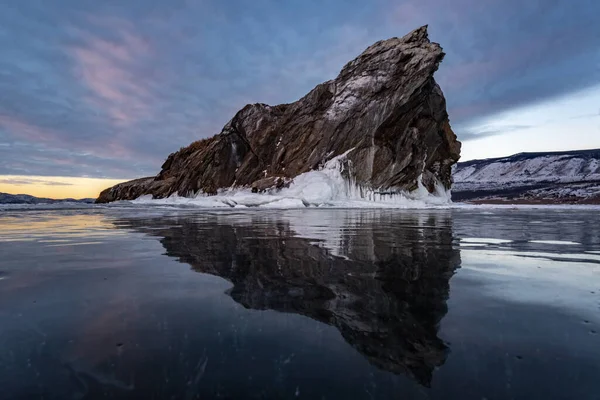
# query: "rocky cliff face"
384 110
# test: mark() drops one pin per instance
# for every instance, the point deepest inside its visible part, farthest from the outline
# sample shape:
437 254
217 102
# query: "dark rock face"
384 106
384 290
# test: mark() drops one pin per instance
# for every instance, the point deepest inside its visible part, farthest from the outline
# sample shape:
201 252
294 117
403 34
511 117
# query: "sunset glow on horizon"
55 187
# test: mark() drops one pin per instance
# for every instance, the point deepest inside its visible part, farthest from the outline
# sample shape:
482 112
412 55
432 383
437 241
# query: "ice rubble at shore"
325 187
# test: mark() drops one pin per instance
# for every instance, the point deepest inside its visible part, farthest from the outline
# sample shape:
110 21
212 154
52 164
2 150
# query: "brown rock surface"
385 106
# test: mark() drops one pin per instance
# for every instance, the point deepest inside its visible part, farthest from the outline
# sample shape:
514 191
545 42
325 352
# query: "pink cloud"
108 69
22 129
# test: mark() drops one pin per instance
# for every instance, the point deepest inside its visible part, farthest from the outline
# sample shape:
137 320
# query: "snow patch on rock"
349 95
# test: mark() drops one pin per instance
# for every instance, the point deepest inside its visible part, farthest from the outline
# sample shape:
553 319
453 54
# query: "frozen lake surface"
180 303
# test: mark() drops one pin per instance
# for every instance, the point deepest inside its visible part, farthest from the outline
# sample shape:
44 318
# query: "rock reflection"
382 279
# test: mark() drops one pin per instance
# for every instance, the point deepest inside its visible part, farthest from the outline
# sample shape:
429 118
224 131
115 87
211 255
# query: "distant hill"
550 177
6 198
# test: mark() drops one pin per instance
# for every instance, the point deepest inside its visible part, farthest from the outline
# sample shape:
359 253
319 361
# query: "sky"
107 89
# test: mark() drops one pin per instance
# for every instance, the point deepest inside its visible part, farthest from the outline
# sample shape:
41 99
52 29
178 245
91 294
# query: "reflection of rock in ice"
383 280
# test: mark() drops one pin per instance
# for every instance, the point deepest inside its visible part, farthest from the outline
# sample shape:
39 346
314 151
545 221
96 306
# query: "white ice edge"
190 203
557 242
325 187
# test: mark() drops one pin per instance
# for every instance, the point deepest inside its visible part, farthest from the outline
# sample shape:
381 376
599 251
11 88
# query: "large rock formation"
384 106
385 290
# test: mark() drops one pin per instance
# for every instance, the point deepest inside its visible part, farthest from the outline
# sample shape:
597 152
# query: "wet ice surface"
179 303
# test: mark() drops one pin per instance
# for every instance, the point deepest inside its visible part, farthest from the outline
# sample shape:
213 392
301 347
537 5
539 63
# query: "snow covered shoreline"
552 177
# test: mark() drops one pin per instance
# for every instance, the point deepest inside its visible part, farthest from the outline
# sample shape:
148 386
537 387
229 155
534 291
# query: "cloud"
480 132
109 89
107 68
28 181
503 54
587 116
26 130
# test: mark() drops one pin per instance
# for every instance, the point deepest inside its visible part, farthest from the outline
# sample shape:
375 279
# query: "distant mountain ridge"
7 198
556 177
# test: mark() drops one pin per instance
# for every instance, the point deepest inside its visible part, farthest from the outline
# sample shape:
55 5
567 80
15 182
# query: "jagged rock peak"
417 37
384 111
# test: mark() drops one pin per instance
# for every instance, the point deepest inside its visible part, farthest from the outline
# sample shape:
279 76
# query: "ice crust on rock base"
325 187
